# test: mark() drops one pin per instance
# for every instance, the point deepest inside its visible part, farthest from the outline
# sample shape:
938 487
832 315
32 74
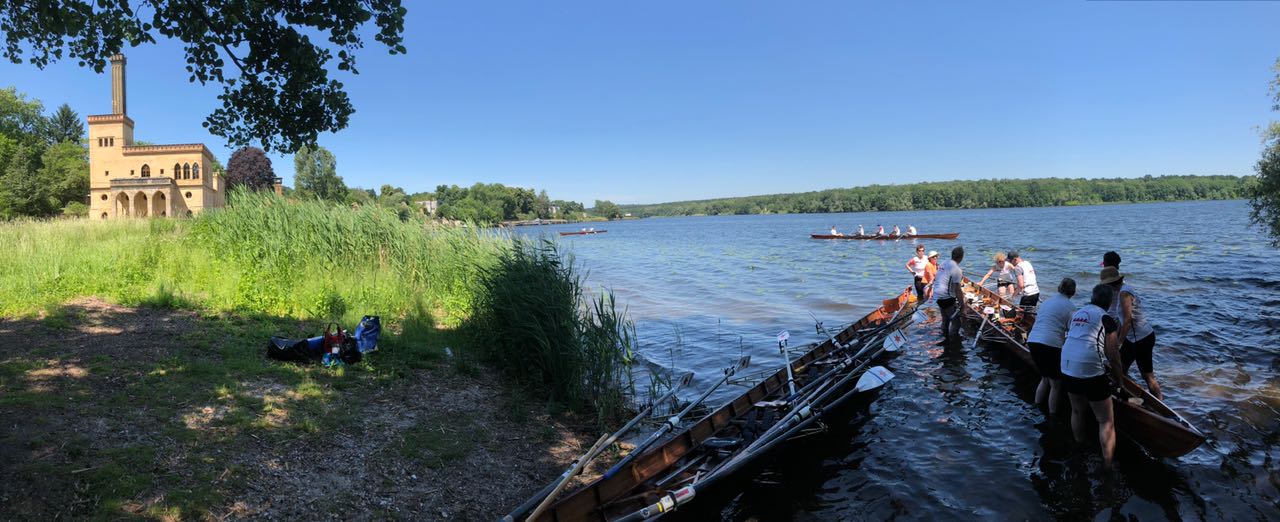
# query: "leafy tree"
390 196
66 172
607 209
22 192
279 93
75 209
250 168
359 196
65 125
1264 193
21 119
315 174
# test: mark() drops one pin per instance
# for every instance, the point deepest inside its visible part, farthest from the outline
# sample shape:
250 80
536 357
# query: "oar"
674 422
564 480
589 456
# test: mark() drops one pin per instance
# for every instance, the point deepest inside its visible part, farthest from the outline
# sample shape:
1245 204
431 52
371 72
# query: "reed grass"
535 323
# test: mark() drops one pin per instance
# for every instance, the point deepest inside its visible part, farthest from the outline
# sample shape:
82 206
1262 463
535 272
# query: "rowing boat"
738 435
948 235
1152 424
583 232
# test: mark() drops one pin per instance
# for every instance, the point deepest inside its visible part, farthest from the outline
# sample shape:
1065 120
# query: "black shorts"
1003 284
919 288
946 302
1048 360
1029 300
1139 351
1093 388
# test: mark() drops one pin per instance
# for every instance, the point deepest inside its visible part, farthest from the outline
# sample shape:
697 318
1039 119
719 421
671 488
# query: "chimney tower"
117 85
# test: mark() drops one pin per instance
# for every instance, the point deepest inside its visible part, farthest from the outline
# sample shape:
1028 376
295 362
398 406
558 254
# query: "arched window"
186 171
177 171
146 171
195 171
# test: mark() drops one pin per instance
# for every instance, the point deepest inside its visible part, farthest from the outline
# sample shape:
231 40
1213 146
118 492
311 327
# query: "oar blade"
895 341
874 378
919 317
685 380
741 365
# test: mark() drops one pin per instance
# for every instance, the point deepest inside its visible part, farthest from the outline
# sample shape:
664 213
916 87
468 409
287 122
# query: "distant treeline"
986 193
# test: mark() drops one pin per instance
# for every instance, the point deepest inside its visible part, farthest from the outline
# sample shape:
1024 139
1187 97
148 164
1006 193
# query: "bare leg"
1106 429
1078 405
1152 385
1055 396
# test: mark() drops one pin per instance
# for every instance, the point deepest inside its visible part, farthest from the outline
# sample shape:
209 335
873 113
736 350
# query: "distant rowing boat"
948 235
583 232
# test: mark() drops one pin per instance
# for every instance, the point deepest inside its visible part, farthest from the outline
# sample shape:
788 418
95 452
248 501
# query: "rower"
1045 343
896 231
860 231
911 231
930 273
1004 275
879 230
916 266
1110 259
834 232
947 289
1137 337
1087 353
1026 277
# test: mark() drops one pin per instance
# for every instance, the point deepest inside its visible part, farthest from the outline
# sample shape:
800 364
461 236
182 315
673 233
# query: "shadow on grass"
162 412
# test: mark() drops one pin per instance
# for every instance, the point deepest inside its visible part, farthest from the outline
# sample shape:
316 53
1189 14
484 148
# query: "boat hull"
586 233
1153 425
949 235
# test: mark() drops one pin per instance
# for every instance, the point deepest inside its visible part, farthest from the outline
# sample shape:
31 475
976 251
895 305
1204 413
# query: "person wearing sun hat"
930 273
1137 337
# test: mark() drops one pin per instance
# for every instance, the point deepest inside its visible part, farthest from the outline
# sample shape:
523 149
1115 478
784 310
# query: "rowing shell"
1153 424
738 435
949 235
583 232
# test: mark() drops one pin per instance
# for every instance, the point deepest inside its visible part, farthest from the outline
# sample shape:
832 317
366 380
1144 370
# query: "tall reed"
534 323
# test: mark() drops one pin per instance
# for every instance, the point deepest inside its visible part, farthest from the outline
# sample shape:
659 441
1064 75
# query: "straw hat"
1110 275
933 253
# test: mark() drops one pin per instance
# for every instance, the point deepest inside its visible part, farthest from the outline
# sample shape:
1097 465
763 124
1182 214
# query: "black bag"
349 351
295 350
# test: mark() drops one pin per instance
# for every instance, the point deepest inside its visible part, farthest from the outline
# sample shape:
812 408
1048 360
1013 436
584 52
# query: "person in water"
1026 279
1004 276
947 289
1088 352
911 231
1137 337
916 266
930 274
1045 343
860 231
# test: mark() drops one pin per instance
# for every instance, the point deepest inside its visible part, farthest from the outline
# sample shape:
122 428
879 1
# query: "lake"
955 434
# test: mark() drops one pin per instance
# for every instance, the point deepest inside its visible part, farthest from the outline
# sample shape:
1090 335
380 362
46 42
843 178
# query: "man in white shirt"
946 289
1026 280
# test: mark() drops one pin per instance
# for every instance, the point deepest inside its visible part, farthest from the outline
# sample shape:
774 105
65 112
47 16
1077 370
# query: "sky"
654 101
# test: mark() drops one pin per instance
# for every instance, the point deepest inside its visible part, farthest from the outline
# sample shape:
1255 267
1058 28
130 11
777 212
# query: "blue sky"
665 100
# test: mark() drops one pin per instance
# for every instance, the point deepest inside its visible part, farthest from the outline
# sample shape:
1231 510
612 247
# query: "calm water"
954 436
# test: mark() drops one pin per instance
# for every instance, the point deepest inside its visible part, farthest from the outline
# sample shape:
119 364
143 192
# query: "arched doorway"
139 205
122 208
159 205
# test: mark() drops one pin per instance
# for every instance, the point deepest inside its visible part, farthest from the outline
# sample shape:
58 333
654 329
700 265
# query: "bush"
75 209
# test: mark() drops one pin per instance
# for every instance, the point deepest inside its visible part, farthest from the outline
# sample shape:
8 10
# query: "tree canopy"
988 193
1264 194
315 174
250 168
606 209
274 73
44 165
65 125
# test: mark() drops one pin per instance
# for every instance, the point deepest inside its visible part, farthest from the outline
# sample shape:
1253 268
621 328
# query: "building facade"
127 180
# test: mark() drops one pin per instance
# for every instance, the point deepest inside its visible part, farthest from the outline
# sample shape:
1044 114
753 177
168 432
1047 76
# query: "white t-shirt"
917 265
948 273
1028 277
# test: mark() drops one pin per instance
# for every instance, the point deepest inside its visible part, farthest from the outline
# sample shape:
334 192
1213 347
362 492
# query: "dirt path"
107 411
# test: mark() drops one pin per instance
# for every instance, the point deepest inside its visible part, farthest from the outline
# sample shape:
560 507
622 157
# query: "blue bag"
367 332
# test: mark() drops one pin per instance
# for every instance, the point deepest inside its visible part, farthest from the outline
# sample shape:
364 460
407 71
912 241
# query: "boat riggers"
667 503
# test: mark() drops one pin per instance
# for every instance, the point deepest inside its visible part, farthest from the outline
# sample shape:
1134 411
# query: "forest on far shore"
985 193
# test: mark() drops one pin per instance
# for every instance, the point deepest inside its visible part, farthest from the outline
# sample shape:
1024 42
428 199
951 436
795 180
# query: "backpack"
366 334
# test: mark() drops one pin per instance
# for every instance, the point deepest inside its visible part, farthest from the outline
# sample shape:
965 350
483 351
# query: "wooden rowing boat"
739 434
583 232
948 235
1153 425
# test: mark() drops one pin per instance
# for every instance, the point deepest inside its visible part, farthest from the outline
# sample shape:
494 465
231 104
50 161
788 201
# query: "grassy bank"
154 398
